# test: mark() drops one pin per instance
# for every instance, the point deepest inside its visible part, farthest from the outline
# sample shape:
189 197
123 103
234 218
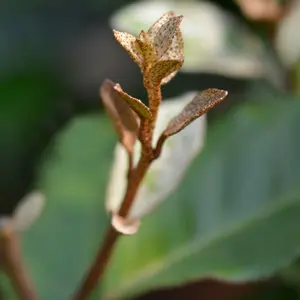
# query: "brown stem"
13 265
159 145
100 263
155 98
136 176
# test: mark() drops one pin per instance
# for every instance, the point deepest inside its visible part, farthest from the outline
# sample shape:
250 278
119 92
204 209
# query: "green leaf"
235 216
60 246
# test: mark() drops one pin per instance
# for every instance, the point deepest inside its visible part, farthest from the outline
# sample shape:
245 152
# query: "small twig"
136 176
99 265
13 265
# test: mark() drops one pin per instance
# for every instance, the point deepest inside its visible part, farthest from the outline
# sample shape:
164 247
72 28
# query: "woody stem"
98 268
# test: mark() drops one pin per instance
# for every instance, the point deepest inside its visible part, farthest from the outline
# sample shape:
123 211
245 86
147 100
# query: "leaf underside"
164 36
119 110
137 105
123 117
201 103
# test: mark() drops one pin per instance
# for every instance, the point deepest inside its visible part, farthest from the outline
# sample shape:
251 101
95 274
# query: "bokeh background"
231 228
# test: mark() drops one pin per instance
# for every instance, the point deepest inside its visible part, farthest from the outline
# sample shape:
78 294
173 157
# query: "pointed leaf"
175 50
201 103
152 32
209 32
163 39
123 117
163 69
129 43
137 105
147 48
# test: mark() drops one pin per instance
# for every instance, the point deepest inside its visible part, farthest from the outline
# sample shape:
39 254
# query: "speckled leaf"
163 39
157 25
215 41
175 50
129 43
146 46
137 105
201 103
169 78
163 69
167 171
123 117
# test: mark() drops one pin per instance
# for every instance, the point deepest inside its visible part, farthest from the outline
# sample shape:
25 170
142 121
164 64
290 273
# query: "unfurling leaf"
163 69
152 32
201 103
175 51
137 105
147 49
163 39
124 118
129 43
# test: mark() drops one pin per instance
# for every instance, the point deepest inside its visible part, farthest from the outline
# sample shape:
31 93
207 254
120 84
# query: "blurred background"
230 230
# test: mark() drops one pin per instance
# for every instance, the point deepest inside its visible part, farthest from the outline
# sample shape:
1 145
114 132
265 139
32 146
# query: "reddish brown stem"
99 265
13 265
136 176
98 268
159 145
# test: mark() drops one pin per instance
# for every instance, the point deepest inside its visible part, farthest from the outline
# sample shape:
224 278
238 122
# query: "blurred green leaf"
60 246
214 41
235 216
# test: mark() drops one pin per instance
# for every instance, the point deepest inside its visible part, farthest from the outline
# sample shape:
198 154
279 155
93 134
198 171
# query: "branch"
13 265
136 176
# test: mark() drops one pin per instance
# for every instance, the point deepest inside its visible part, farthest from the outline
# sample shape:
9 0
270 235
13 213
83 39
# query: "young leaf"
148 50
201 103
163 69
137 105
175 51
129 43
123 117
165 35
152 32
